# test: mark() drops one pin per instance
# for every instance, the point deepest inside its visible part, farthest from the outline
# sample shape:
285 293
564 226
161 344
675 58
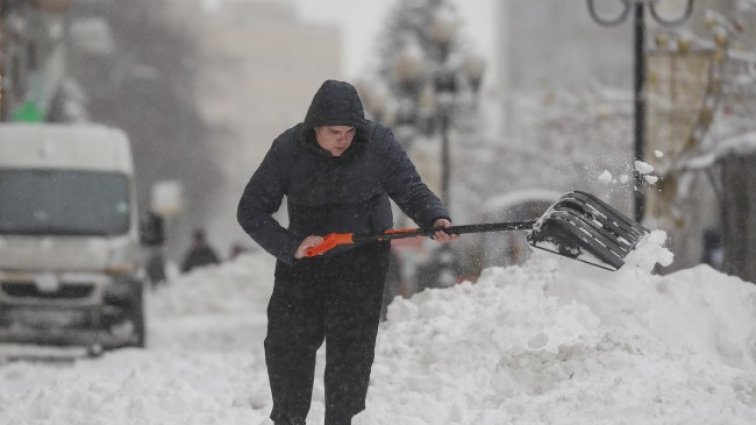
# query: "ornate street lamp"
639 31
433 84
431 87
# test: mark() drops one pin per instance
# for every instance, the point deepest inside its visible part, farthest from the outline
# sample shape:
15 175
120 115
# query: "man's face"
335 139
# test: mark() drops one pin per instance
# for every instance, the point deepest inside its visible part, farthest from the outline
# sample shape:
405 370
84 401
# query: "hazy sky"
362 20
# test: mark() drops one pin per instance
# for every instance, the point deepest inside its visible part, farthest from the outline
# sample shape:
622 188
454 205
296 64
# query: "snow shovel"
579 226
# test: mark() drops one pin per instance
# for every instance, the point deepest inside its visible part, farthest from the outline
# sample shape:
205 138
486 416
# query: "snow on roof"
740 145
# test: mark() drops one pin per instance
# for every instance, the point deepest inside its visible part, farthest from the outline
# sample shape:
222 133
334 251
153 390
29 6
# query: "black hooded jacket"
326 194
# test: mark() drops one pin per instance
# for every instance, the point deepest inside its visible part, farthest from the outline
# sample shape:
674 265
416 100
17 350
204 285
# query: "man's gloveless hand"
308 242
440 235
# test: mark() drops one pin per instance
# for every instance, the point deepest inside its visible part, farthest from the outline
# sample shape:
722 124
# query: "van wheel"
129 327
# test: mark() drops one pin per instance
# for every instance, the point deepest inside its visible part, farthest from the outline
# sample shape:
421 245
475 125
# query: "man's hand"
440 235
308 242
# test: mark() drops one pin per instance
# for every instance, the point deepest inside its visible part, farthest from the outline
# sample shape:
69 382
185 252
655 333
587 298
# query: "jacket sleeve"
261 199
403 184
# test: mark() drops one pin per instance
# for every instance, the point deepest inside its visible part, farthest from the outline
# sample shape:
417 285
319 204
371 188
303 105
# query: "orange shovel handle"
330 241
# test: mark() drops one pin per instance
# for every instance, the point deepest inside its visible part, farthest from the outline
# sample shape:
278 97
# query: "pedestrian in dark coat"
337 171
199 254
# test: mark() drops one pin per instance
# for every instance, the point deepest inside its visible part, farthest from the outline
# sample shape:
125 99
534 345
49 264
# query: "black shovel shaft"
332 240
452 230
579 226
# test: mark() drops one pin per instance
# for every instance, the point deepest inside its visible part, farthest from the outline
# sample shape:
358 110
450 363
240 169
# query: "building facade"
261 66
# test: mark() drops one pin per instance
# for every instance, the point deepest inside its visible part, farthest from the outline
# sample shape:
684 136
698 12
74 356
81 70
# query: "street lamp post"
447 86
639 41
442 31
445 157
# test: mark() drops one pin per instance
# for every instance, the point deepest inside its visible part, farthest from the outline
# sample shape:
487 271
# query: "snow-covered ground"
554 341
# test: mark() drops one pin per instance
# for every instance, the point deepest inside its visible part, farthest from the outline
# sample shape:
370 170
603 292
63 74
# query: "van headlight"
121 262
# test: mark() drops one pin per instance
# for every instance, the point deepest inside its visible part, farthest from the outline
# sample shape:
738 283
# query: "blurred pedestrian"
442 271
713 249
155 267
236 249
200 253
153 236
337 171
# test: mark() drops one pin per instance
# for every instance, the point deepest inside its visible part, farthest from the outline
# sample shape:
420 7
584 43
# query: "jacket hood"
336 103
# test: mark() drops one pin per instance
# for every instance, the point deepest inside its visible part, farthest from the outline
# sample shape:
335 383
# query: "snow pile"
559 342
129 387
555 341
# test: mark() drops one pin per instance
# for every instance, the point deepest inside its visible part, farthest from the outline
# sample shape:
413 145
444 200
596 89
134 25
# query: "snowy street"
560 193
552 342
204 362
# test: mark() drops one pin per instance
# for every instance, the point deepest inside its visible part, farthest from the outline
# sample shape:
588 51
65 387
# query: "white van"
70 261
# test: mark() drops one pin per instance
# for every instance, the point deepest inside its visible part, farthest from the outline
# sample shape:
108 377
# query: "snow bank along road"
554 341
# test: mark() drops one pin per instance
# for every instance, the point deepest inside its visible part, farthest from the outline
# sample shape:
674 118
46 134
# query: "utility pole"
639 107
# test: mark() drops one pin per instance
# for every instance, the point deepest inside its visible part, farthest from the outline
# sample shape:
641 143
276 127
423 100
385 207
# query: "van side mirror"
152 230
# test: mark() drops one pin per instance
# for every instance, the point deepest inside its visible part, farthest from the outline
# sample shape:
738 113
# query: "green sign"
28 112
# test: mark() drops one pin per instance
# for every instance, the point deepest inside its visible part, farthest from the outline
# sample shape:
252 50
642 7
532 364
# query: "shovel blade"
582 227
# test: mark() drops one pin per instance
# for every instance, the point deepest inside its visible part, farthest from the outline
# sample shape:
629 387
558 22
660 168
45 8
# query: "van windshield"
63 202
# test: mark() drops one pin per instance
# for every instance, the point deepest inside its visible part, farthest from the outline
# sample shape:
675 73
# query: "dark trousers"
336 299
